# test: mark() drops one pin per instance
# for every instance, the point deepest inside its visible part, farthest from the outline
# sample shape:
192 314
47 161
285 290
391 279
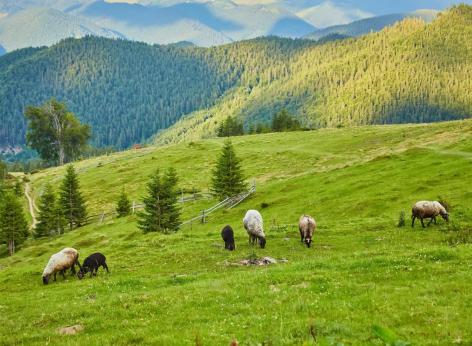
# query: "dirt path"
32 207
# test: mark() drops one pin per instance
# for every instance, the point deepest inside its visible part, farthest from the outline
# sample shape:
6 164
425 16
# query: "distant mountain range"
129 91
43 26
374 24
35 23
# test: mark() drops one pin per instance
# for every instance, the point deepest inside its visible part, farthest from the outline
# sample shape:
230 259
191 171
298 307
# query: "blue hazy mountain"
365 26
205 24
36 27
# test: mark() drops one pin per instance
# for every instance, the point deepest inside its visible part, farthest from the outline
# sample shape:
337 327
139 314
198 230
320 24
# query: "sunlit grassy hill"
184 289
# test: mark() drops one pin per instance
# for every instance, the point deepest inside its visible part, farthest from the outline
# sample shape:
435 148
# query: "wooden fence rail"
228 203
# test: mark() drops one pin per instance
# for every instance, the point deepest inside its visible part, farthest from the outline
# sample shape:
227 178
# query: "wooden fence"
228 203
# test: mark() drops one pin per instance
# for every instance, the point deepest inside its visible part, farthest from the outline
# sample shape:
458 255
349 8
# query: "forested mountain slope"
125 90
411 72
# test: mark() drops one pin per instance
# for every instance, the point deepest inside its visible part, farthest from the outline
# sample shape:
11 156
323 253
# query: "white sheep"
307 227
60 262
255 228
428 209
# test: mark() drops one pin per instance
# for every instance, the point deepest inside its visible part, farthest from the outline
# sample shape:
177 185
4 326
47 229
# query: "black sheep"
228 236
92 263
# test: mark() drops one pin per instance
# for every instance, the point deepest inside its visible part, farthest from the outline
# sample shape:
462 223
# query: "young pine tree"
123 206
170 196
71 200
160 210
228 179
13 225
18 189
50 217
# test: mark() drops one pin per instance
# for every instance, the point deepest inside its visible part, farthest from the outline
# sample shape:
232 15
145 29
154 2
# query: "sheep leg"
430 221
63 272
72 269
434 217
413 221
422 223
301 236
106 267
55 276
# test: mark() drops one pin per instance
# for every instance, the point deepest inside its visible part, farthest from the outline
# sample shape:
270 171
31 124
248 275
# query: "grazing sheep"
60 262
254 227
307 227
228 237
428 209
92 263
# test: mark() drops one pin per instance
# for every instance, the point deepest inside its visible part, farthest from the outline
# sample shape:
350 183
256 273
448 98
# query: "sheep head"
308 242
46 279
445 216
82 271
262 242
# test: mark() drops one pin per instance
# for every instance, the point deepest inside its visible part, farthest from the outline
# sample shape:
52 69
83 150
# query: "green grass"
362 277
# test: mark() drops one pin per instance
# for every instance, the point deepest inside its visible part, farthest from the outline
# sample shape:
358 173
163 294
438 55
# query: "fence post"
203 216
133 207
102 217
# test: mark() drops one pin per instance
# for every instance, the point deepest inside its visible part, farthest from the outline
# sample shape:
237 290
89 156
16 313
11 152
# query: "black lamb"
228 236
92 263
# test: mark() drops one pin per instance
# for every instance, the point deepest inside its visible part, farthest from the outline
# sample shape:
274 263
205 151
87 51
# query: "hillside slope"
184 288
411 72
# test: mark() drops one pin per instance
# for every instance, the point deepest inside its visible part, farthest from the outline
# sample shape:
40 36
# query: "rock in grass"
72 330
260 261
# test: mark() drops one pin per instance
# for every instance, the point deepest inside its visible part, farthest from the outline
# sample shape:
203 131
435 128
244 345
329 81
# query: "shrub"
401 219
123 205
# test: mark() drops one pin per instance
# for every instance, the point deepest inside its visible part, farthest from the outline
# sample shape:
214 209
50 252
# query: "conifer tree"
18 189
13 225
71 200
3 170
123 206
50 218
160 211
228 179
170 196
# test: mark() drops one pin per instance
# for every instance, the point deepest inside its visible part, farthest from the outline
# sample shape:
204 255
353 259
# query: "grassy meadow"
184 289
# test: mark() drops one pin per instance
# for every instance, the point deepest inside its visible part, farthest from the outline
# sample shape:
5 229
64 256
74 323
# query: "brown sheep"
59 262
428 209
307 227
